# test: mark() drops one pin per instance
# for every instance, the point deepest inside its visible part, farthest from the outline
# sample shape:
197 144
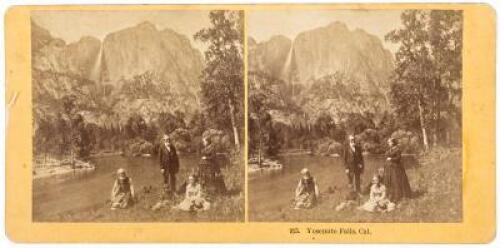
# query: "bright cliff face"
109 73
352 63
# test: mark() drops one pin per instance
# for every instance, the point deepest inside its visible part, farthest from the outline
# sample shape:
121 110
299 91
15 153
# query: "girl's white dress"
194 200
378 200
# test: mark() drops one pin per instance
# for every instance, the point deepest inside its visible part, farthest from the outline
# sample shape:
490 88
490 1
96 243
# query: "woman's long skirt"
211 178
396 182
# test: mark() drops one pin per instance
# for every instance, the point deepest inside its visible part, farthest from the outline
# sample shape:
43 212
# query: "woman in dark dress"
395 178
209 171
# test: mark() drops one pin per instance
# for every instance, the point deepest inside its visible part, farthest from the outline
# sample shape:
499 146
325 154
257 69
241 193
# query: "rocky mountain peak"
315 55
89 39
279 39
251 41
269 56
160 68
146 25
338 26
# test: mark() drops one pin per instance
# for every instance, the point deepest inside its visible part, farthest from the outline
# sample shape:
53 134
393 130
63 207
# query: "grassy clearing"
437 183
228 208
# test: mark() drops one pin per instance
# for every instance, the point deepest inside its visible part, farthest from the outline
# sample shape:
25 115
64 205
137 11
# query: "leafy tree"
151 133
428 68
135 126
222 78
81 140
324 125
179 116
197 124
69 105
43 135
272 141
263 97
445 37
414 72
167 122
62 134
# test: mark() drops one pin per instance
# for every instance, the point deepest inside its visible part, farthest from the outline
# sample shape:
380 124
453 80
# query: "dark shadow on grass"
417 193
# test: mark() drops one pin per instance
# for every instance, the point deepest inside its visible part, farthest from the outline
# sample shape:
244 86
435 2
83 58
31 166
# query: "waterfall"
95 74
286 67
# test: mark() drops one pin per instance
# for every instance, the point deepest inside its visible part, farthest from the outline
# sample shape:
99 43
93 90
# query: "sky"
72 25
262 25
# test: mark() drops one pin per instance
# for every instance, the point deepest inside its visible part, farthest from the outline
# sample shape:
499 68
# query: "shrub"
220 139
181 139
328 146
371 141
138 146
408 141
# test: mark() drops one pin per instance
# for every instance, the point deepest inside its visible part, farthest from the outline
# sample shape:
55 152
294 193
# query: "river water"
83 191
273 192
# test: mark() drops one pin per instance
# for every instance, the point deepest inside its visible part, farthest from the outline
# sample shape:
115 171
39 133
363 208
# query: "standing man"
169 163
354 164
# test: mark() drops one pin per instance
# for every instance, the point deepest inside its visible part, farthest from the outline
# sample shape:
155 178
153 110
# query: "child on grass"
378 200
122 195
194 200
307 191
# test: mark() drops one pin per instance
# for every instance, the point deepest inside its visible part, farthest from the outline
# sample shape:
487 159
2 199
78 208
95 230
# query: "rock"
325 50
55 55
269 56
160 69
135 50
314 55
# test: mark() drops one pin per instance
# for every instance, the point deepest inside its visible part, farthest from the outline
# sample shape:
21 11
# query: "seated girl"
378 200
366 189
194 200
307 191
123 193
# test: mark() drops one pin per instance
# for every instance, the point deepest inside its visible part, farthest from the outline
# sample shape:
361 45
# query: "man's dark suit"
353 161
169 162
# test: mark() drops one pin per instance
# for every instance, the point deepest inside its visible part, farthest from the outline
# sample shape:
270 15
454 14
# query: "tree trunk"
434 113
233 124
438 119
422 125
436 110
259 159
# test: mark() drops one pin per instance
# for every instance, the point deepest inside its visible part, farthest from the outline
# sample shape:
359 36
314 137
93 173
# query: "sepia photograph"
355 116
328 123
138 116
